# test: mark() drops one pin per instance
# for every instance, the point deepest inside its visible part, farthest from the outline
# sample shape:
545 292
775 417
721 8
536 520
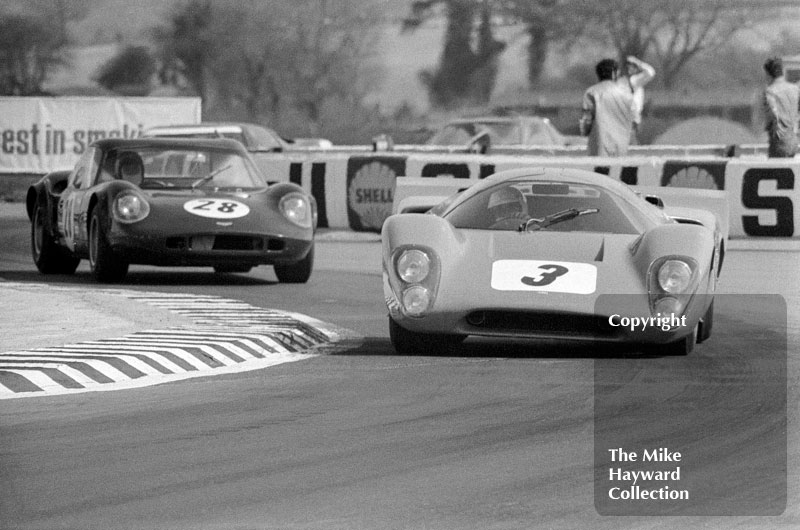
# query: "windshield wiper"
210 176
554 218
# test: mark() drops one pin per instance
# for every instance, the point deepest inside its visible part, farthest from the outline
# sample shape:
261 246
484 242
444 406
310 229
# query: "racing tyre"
679 348
706 324
298 272
106 265
407 342
47 255
221 269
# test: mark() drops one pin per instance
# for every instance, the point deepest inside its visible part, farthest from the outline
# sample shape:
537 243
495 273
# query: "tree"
466 73
545 22
262 60
28 54
130 72
187 45
672 31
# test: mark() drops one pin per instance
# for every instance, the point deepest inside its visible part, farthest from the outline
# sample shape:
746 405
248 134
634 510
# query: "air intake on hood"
600 252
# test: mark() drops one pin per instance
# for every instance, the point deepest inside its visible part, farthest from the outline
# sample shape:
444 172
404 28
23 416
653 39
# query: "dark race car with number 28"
171 202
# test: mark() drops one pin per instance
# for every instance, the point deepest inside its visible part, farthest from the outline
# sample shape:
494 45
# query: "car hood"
488 267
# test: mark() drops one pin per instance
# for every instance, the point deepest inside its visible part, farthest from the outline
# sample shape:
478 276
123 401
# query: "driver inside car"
508 207
130 167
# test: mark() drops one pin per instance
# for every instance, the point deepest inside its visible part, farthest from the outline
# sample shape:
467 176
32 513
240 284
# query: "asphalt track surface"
493 436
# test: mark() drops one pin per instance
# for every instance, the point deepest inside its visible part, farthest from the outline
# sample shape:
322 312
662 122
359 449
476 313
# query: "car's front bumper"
208 249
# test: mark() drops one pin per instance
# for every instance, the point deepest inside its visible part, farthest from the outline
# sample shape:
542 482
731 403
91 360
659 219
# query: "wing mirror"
655 200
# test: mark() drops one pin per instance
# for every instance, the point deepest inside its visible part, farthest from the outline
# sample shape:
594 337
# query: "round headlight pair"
296 208
413 266
674 276
130 207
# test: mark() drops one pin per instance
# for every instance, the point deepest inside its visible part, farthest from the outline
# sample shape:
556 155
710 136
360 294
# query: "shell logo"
693 177
371 194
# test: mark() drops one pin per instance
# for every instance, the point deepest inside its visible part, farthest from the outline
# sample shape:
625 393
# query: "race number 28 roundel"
550 276
217 208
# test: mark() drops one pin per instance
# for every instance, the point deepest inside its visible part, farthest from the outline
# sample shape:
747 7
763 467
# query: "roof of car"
567 174
497 119
200 143
207 126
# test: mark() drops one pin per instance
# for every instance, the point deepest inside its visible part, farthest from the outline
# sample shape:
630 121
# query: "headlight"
295 207
416 300
130 207
669 306
413 266
674 276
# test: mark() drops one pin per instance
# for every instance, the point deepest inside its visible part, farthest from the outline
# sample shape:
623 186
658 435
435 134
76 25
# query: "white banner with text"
42 134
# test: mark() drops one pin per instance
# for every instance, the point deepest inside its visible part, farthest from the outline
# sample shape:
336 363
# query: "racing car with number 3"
171 202
552 253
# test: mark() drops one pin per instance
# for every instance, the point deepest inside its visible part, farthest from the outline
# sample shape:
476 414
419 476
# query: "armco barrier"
355 190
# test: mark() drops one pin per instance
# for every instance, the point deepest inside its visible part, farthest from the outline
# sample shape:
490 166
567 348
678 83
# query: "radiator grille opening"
543 323
227 242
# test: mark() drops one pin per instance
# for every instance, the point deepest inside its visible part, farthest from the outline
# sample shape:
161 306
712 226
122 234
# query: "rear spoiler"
687 205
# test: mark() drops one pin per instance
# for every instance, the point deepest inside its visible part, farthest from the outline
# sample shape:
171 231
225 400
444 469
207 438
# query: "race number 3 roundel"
544 276
217 208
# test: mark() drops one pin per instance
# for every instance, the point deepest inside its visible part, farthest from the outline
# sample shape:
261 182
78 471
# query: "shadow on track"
479 347
140 278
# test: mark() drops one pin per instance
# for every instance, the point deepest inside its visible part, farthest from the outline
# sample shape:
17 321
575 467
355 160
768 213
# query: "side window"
78 177
94 165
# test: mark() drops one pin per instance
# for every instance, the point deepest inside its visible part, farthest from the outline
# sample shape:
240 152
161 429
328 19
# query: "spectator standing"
607 112
637 74
780 101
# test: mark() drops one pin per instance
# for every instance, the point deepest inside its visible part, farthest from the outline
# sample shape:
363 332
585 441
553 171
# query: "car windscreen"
178 167
543 205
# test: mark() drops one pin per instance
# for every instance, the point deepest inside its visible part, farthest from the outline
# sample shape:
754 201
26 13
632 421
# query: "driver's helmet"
507 202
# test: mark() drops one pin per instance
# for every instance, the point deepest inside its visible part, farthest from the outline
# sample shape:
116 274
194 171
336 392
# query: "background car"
259 141
171 202
550 253
255 138
503 131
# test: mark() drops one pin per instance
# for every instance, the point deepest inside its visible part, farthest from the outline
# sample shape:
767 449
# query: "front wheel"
679 348
298 272
706 324
408 342
106 266
47 255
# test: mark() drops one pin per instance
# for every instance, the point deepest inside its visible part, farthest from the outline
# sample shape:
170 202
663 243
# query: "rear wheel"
408 342
47 255
298 272
106 265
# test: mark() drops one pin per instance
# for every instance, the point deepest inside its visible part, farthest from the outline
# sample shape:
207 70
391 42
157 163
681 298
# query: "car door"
74 201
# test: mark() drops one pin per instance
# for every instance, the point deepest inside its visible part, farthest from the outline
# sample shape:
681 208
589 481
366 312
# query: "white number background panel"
217 208
547 276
